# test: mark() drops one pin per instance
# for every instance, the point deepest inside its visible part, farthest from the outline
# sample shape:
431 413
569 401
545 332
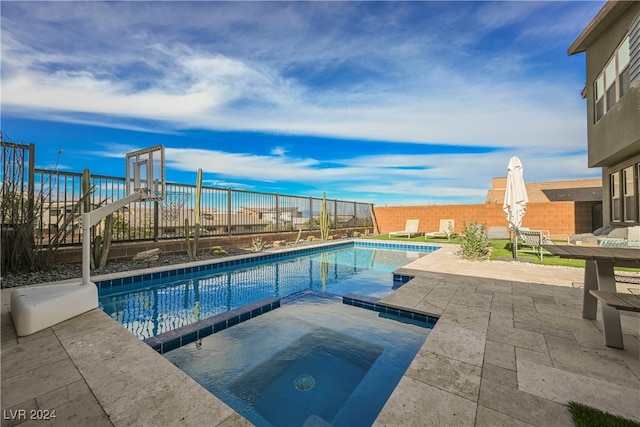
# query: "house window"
615 197
613 82
599 96
629 194
610 82
623 67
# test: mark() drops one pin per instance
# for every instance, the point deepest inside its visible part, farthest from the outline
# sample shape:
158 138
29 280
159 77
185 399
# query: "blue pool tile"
405 314
219 326
393 311
154 343
222 317
205 327
205 332
171 345
420 317
189 337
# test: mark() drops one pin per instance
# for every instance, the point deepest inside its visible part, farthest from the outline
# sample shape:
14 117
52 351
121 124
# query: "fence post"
335 213
156 217
355 214
310 212
277 213
374 222
31 184
229 211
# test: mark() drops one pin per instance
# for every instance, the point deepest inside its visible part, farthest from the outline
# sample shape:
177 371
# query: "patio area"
510 348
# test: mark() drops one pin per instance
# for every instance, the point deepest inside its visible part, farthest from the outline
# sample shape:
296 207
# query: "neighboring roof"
609 13
577 190
587 194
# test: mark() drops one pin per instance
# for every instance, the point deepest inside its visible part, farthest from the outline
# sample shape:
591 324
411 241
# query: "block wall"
561 219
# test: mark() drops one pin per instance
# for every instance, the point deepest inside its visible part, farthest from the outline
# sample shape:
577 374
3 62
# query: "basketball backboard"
145 172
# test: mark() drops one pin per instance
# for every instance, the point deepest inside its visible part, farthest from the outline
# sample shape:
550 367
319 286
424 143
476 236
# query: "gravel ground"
72 271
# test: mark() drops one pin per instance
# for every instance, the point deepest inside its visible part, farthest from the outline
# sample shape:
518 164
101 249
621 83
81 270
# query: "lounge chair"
534 239
410 229
498 233
446 225
632 240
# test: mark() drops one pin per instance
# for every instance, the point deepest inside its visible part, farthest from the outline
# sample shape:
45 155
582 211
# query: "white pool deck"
510 349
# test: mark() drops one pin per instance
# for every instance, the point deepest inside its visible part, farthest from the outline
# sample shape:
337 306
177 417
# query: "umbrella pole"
514 245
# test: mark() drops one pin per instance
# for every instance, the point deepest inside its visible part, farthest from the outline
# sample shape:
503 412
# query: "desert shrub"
257 244
474 242
217 250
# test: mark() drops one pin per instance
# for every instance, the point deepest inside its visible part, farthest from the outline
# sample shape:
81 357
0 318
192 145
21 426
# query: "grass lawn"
501 250
586 416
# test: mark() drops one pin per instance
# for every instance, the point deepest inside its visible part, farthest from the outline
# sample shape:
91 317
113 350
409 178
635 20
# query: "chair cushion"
618 233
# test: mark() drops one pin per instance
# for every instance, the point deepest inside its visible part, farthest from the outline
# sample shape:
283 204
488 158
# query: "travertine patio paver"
539 353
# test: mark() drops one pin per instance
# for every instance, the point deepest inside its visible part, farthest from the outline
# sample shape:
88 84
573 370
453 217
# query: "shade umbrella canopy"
515 197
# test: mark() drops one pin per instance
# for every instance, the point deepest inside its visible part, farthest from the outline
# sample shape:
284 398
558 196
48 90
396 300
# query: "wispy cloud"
193 87
471 74
428 178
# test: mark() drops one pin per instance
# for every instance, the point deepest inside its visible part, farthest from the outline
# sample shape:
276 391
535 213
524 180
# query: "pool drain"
304 382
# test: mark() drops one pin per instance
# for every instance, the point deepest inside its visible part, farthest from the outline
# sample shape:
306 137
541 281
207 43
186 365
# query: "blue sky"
392 103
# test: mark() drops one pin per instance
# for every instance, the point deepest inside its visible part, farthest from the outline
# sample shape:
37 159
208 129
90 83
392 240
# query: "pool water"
314 361
152 307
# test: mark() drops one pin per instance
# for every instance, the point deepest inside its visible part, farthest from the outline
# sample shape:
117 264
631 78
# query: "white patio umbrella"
515 198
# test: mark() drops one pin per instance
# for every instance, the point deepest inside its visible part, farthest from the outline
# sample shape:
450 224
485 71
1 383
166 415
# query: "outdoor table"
599 275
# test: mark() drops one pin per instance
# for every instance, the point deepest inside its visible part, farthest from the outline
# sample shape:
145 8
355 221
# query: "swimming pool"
312 362
156 304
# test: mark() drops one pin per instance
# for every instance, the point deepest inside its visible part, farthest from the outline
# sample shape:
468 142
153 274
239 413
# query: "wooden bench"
619 301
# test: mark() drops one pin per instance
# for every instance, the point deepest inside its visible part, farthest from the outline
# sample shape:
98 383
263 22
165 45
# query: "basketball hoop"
173 202
145 173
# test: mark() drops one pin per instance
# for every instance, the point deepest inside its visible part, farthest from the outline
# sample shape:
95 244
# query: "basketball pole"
89 219
135 162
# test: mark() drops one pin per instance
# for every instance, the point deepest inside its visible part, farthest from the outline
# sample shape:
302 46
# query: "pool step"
187 334
373 304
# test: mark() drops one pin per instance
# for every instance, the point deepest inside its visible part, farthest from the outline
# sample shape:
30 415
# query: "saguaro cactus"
325 219
192 245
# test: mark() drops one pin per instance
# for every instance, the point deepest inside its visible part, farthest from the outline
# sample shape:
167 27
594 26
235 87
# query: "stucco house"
611 42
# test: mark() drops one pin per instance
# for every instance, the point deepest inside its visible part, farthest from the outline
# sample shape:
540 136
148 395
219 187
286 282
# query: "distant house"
288 218
612 45
585 192
212 222
575 190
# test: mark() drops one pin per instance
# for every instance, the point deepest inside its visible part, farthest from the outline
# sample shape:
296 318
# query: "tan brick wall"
561 219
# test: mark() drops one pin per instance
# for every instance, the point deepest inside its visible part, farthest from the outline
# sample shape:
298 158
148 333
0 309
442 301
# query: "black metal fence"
224 211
